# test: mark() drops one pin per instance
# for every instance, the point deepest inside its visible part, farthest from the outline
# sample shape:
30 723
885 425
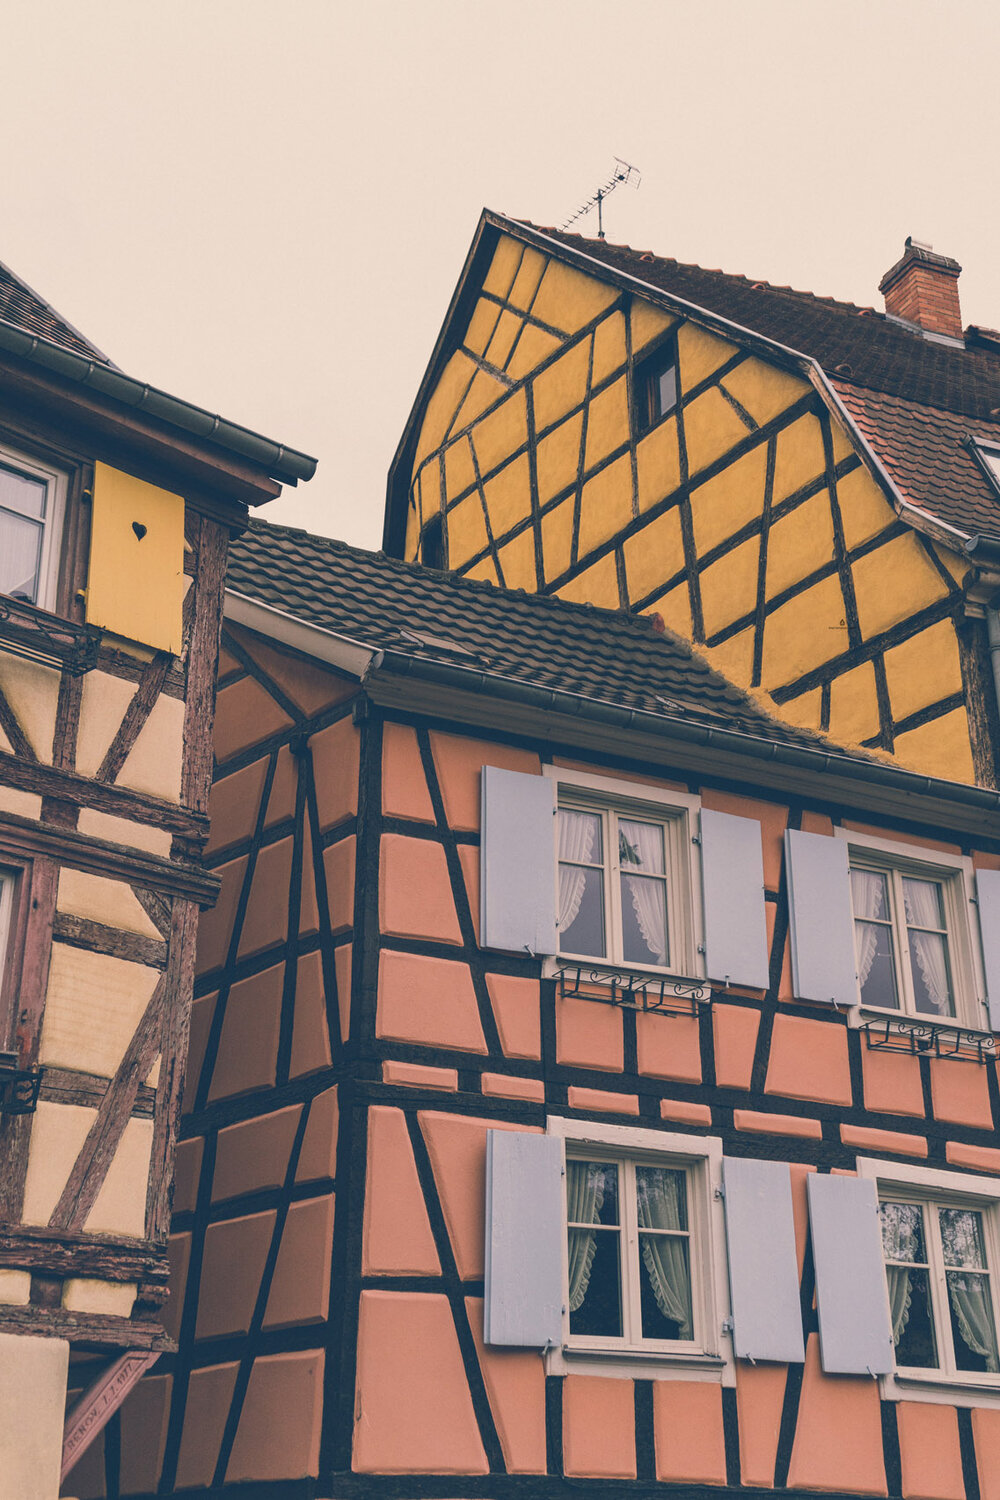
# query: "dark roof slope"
915 400
25 309
387 604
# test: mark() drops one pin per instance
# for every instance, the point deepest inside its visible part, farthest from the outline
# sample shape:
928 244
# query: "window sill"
893 1031
940 1390
628 1364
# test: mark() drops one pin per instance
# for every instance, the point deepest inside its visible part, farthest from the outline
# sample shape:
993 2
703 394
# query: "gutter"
286 465
324 645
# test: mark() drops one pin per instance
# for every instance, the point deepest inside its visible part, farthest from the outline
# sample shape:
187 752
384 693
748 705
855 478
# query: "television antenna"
624 173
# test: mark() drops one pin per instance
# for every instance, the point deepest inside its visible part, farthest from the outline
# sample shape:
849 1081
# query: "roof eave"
278 462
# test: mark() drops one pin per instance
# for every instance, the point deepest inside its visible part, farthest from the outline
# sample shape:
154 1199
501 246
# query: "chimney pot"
922 288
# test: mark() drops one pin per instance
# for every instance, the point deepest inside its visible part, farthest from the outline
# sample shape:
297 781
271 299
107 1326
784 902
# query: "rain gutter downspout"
286 465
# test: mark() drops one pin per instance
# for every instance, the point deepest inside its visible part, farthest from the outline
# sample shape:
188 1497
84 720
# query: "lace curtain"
664 1256
584 1201
923 909
647 896
576 842
970 1301
867 894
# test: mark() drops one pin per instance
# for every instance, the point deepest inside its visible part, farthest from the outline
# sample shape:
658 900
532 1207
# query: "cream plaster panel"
33 1375
121 1204
154 762
152 1079
24 804
123 831
102 708
32 692
92 1007
57 1133
5 743
100 900
112 1298
15 1287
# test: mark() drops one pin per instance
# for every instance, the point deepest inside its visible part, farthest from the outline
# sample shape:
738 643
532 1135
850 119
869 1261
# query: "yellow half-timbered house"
117 503
808 490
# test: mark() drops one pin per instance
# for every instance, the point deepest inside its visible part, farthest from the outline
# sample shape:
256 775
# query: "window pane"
661 1193
876 965
580 837
640 846
972 1326
903 1232
912 1320
666 390
870 894
595 1305
18 492
923 902
20 555
581 910
962 1237
644 920
665 1287
931 971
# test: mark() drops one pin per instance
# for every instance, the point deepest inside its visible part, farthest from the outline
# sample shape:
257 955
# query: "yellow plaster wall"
110 1298
135 581
32 691
57 1133
110 902
120 1206
589 469
92 1006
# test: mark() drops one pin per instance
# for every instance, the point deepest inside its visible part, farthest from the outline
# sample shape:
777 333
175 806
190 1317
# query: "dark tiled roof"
577 648
915 400
925 451
27 310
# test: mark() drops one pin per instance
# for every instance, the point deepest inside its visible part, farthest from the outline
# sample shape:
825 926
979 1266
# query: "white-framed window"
32 504
8 889
989 457
915 934
644 1268
941 1248
627 874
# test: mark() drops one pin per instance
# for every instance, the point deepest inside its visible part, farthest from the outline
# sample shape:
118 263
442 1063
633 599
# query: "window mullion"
631 1303
939 1280
902 940
613 904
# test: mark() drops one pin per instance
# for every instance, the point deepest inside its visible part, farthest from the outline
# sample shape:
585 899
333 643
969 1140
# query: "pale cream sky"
263 207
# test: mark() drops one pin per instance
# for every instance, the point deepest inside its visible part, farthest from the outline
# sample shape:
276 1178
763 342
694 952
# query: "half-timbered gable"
792 483
117 503
561 1024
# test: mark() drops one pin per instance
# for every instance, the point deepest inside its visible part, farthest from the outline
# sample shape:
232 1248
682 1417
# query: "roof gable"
23 308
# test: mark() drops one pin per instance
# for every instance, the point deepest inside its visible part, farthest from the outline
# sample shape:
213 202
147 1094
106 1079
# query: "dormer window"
988 455
31 505
655 388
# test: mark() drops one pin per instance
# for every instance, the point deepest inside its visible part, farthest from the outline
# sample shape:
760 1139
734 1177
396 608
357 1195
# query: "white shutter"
518 862
855 1335
988 894
524 1239
763 1270
821 919
733 892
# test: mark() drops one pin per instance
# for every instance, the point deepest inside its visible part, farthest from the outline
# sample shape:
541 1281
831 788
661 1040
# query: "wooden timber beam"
100 1402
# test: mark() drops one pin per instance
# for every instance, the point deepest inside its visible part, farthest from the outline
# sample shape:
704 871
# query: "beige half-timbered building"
117 503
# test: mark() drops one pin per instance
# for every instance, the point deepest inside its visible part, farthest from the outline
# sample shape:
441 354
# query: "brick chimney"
922 287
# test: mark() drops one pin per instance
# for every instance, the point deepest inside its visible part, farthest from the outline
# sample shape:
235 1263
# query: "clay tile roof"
888 374
25 309
390 605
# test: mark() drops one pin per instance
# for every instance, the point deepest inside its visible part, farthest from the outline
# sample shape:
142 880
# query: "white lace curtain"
867 894
664 1256
645 840
923 909
584 1201
576 842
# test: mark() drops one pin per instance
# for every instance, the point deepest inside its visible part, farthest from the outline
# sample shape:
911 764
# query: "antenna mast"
623 173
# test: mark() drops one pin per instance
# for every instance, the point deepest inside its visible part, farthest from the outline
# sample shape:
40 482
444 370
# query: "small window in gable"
31 511
655 387
432 544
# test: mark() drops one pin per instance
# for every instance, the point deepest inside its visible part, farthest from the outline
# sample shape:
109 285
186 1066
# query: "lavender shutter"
524 1239
988 897
763 1270
820 918
733 894
518 862
855 1336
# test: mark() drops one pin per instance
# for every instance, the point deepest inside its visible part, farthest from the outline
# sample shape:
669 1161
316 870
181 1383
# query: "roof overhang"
491 226
405 683
221 457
